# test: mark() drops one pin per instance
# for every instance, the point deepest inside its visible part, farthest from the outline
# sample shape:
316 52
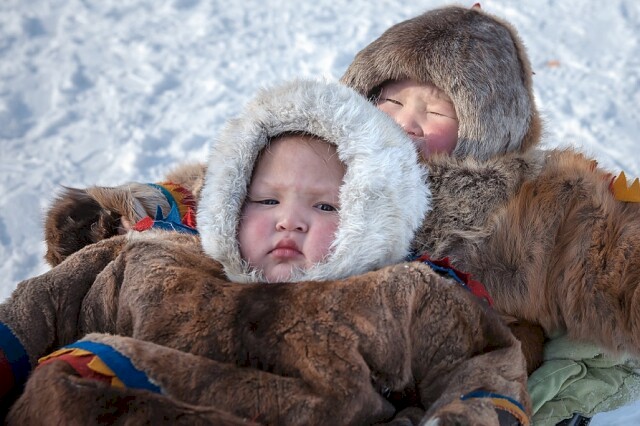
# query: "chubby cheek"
252 233
319 240
441 139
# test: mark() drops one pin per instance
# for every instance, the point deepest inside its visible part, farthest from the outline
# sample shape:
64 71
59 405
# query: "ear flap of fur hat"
477 59
383 197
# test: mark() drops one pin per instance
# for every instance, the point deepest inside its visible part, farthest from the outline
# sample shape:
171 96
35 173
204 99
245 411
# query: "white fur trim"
383 199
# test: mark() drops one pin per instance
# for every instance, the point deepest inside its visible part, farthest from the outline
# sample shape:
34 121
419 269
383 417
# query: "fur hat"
477 59
383 197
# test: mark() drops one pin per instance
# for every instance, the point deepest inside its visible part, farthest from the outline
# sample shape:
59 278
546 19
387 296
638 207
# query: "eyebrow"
314 190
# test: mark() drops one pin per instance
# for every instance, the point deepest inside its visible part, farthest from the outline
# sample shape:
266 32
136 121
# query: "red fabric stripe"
143 224
476 287
79 363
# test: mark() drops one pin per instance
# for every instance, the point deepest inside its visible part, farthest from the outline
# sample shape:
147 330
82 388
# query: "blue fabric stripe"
173 221
16 355
484 394
119 364
173 226
447 271
440 269
172 202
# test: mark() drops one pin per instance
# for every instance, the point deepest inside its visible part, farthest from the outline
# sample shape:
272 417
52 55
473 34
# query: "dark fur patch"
255 322
74 221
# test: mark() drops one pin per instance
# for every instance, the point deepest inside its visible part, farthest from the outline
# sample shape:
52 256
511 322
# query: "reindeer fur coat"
540 229
327 350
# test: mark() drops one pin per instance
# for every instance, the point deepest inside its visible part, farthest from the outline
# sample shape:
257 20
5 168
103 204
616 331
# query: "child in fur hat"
480 64
478 105
503 209
204 349
549 233
464 60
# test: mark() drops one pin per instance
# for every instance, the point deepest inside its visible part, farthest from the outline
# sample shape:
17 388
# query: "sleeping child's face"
290 215
425 112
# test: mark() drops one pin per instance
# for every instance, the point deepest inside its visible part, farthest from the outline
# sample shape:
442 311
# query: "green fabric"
578 378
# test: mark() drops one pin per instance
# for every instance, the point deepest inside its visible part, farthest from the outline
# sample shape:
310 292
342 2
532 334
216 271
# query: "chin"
286 273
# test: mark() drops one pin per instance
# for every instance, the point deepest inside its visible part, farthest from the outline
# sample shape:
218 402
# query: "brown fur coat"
333 347
541 230
310 353
544 233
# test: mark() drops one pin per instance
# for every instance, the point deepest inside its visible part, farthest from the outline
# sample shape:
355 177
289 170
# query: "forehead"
304 155
292 146
409 87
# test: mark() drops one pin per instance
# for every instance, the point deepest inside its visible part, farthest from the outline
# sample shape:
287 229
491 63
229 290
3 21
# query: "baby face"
290 215
425 112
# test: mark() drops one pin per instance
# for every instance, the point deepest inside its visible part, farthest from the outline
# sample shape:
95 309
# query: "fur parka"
541 229
326 351
290 353
383 197
544 232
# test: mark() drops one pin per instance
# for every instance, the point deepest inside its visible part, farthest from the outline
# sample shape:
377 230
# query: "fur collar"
384 196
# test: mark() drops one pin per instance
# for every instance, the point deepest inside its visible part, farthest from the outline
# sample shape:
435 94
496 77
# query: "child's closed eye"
441 114
393 101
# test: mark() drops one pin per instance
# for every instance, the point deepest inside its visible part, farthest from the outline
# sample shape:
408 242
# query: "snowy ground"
103 92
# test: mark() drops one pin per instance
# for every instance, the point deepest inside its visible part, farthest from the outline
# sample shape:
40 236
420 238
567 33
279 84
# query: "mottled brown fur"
309 353
79 217
93 402
74 220
545 234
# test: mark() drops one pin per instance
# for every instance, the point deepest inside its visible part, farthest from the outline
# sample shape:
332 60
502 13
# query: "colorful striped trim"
178 195
14 361
181 216
444 267
182 196
510 412
86 364
102 362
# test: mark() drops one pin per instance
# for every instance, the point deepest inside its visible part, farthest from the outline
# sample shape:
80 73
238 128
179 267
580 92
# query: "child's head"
290 215
358 159
425 112
475 59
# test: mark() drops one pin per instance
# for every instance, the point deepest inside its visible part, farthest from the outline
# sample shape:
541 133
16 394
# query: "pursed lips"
286 249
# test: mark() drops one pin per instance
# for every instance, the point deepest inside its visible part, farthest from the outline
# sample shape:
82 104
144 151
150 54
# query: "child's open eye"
326 207
267 202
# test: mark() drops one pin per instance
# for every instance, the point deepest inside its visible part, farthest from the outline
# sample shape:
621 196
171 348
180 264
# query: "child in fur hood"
550 234
526 222
204 349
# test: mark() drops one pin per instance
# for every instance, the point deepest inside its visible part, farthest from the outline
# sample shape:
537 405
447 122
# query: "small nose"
409 124
291 220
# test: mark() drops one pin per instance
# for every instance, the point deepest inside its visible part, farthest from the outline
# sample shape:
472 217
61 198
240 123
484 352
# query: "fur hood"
383 196
477 59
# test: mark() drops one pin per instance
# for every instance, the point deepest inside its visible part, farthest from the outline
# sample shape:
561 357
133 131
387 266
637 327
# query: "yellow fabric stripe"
510 407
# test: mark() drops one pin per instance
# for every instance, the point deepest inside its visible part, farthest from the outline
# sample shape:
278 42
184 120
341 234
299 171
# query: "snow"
112 91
